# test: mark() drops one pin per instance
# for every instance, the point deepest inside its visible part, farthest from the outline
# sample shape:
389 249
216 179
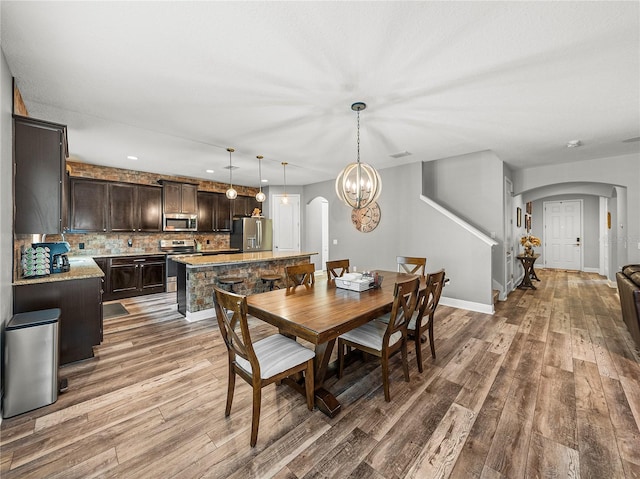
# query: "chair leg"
230 389
418 342
433 348
385 376
309 385
255 419
405 360
340 358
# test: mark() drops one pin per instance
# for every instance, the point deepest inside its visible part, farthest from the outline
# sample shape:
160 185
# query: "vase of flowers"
529 241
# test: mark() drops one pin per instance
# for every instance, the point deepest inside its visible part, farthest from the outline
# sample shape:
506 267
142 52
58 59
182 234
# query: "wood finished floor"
549 386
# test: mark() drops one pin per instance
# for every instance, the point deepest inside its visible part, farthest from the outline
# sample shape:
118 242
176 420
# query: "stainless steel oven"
175 247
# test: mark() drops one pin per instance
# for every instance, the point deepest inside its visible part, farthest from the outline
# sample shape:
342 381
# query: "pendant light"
285 198
359 184
260 196
231 193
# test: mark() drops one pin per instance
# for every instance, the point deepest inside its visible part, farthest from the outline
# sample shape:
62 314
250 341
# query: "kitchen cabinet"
40 180
149 208
130 276
134 208
222 216
80 303
244 205
179 197
214 212
88 209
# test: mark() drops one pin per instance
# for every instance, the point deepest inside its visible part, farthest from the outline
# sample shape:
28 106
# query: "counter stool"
230 281
271 280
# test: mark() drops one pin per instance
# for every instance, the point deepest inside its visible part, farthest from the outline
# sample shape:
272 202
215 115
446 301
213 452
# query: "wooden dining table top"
323 312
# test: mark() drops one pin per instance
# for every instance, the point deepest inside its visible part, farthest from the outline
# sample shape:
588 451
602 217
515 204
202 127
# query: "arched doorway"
317 230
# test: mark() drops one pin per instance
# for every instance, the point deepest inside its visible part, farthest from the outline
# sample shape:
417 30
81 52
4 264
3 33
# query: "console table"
529 273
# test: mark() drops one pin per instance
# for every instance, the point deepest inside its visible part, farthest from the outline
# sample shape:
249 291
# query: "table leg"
325 400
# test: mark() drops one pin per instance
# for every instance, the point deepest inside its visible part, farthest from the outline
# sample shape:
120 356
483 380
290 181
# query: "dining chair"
301 274
337 268
266 361
411 264
382 340
422 320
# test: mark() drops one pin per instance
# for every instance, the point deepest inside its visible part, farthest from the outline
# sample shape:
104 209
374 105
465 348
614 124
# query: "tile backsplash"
109 244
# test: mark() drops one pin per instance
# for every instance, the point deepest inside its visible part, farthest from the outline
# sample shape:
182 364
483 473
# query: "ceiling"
176 83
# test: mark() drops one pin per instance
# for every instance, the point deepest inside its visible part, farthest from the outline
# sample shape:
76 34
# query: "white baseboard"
468 305
591 270
200 315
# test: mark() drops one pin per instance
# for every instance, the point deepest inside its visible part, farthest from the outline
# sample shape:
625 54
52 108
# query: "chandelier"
260 196
231 192
359 184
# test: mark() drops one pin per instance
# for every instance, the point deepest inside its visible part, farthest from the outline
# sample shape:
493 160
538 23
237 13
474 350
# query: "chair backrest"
405 299
301 274
231 313
337 268
430 296
411 264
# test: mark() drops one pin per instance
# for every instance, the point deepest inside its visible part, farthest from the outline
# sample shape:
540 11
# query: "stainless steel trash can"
30 361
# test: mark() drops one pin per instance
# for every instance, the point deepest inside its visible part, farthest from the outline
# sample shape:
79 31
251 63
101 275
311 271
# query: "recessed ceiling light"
574 144
210 171
400 154
131 157
265 180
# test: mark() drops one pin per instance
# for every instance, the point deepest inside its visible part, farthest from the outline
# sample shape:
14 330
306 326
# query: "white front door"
563 234
286 223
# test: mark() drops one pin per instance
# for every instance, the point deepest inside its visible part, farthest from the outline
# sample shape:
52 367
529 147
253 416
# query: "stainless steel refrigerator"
252 234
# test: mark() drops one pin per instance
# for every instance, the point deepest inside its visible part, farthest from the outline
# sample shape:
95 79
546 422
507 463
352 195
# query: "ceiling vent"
400 154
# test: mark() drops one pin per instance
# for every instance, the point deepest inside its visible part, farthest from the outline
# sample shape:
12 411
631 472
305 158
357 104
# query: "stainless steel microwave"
179 222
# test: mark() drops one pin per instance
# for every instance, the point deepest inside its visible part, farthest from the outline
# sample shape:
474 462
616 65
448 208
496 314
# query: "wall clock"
366 219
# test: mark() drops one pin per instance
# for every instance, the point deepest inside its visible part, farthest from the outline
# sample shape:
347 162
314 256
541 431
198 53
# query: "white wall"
6 195
409 227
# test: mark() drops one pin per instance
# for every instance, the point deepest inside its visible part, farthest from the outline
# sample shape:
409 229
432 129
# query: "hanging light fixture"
285 198
231 193
359 184
260 196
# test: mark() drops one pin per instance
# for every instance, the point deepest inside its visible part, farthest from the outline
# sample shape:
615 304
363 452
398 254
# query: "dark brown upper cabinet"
179 197
88 212
135 208
244 205
40 181
214 212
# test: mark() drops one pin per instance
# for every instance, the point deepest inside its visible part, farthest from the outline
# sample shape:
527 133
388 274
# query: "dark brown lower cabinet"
80 303
134 276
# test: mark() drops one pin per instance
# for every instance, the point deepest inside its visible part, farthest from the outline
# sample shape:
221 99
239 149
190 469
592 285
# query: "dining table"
320 313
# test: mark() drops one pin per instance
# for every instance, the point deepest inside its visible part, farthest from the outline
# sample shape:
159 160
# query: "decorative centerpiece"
256 213
529 241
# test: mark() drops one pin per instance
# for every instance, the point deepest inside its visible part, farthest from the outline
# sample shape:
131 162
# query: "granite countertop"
235 258
82 267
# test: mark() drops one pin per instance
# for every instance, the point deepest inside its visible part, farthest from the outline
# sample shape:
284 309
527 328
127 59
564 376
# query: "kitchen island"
197 275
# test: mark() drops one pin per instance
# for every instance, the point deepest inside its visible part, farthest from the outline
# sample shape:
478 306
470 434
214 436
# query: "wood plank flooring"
549 386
